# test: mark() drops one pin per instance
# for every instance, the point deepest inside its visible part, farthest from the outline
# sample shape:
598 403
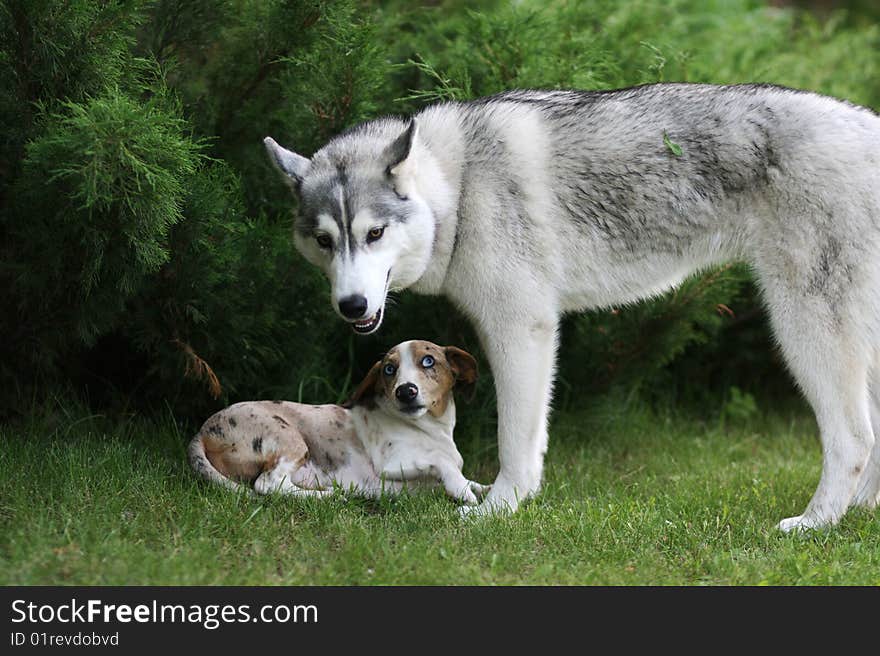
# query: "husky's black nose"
353 307
406 393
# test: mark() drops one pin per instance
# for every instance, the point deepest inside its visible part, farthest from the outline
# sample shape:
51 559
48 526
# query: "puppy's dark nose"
406 393
353 307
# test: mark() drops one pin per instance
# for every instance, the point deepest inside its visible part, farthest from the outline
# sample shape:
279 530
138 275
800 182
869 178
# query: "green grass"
631 497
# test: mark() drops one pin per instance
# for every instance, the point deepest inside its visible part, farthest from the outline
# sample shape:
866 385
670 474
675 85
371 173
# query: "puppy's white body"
536 203
375 446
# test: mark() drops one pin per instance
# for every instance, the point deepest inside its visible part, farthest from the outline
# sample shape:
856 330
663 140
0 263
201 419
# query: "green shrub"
117 171
145 250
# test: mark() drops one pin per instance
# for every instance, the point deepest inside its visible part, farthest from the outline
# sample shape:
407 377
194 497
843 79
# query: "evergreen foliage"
145 250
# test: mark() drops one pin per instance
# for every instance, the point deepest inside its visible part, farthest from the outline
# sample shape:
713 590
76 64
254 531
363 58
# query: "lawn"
632 496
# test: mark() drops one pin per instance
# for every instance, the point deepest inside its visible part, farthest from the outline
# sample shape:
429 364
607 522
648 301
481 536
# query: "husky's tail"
203 467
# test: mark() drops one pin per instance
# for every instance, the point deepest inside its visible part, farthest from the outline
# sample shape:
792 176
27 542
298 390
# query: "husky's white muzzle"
363 306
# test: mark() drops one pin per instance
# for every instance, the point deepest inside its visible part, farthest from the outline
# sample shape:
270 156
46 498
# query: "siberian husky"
525 205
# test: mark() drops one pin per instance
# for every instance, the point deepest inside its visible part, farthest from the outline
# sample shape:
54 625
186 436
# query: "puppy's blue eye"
427 362
389 369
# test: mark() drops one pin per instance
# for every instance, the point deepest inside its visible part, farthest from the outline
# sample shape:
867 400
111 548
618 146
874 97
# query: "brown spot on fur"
464 367
438 380
272 461
225 459
280 420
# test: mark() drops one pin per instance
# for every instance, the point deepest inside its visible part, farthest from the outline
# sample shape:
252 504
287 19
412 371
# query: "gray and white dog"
526 205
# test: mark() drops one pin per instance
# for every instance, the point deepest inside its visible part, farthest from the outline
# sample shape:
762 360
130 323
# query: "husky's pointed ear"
291 165
464 368
365 393
398 154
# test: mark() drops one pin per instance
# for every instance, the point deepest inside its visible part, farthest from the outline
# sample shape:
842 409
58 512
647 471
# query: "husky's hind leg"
836 388
868 490
826 349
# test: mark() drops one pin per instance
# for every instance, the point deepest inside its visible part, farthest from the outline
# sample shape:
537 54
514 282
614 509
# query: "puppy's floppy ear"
292 166
464 368
365 393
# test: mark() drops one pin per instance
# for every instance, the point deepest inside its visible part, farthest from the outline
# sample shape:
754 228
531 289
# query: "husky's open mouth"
367 326
371 324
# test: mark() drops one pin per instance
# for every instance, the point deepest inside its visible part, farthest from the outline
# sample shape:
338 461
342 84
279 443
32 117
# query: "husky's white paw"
800 524
485 509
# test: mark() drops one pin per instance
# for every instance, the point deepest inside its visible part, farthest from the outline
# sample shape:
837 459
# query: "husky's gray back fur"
528 204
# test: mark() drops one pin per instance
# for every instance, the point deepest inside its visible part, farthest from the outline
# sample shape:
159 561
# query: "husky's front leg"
522 358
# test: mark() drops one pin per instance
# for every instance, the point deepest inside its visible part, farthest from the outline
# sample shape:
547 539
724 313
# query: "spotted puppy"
396 428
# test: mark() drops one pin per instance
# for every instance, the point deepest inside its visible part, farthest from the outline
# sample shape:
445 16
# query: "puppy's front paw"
467 497
501 500
479 489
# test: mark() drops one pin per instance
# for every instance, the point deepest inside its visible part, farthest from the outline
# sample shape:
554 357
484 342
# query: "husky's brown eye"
375 234
324 241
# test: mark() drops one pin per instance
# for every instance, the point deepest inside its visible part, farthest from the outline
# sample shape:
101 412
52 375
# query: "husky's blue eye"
389 369
427 362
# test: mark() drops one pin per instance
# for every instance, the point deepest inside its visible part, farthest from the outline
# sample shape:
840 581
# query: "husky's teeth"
368 325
